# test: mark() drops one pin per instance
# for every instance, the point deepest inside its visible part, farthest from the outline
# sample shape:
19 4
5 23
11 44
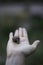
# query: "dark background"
27 14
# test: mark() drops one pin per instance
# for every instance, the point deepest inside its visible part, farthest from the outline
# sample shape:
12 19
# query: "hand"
23 46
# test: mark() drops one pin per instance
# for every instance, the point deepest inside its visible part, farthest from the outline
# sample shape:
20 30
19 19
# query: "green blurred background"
9 22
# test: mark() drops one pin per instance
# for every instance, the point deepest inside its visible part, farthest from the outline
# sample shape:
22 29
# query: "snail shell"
16 40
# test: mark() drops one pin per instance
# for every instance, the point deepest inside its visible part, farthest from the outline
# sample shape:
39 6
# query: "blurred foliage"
9 23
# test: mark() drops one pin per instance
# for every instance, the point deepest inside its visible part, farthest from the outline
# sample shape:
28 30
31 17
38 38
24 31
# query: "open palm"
23 46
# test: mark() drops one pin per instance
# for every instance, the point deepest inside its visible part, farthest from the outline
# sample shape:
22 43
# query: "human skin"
16 53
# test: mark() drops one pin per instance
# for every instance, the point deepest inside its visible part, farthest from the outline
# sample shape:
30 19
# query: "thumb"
36 43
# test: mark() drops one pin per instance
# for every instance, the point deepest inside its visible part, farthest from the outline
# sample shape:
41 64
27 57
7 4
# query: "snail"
16 39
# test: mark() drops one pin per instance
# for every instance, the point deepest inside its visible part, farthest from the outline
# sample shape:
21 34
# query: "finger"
25 32
20 32
16 33
10 35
